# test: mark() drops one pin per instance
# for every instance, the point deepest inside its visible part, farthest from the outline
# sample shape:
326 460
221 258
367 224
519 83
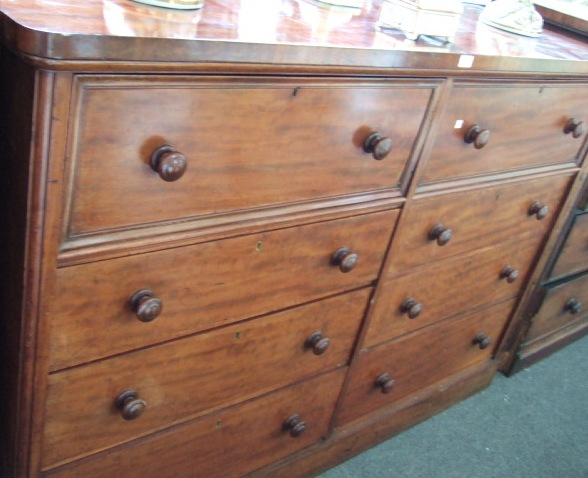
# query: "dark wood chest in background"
556 313
233 247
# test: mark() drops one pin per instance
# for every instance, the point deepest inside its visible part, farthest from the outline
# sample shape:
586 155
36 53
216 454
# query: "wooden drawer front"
422 358
208 285
247 144
447 288
192 376
583 202
563 304
574 254
478 218
230 443
526 124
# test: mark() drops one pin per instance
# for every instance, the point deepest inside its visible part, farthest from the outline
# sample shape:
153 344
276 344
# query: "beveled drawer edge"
490 82
151 237
505 177
217 80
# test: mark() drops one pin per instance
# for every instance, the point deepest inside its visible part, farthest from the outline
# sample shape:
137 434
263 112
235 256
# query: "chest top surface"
273 32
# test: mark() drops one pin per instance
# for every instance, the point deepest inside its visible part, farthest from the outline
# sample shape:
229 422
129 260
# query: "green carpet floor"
531 425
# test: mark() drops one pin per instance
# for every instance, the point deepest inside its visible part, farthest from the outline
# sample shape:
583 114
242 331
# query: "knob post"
378 145
345 259
130 405
295 426
441 234
318 343
482 341
169 163
478 136
412 308
146 305
539 210
510 274
575 127
573 306
385 383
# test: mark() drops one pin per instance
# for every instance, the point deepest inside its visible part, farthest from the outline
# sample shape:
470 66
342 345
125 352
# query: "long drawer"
393 371
208 285
440 226
563 304
449 287
246 143
226 444
526 124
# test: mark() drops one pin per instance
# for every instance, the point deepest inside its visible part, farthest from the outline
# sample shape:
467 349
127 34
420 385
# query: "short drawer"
393 371
247 144
449 287
583 202
563 304
444 225
195 375
573 257
526 124
208 285
230 443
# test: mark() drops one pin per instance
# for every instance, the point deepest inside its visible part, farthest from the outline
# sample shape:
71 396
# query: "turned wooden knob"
295 426
576 127
412 308
378 145
170 164
130 405
482 341
318 343
573 306
345 259
510 274
385 383
478 136
146 305
441 234
539 210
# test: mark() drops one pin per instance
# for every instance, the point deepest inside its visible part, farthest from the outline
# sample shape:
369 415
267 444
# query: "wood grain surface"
450 287
209 285
184 379
477 218
573 257
526 123
231 443
248 143
421 358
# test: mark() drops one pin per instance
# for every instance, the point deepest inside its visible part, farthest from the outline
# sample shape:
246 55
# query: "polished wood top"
272 32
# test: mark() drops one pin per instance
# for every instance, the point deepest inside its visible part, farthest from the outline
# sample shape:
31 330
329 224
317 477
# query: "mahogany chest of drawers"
235 247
